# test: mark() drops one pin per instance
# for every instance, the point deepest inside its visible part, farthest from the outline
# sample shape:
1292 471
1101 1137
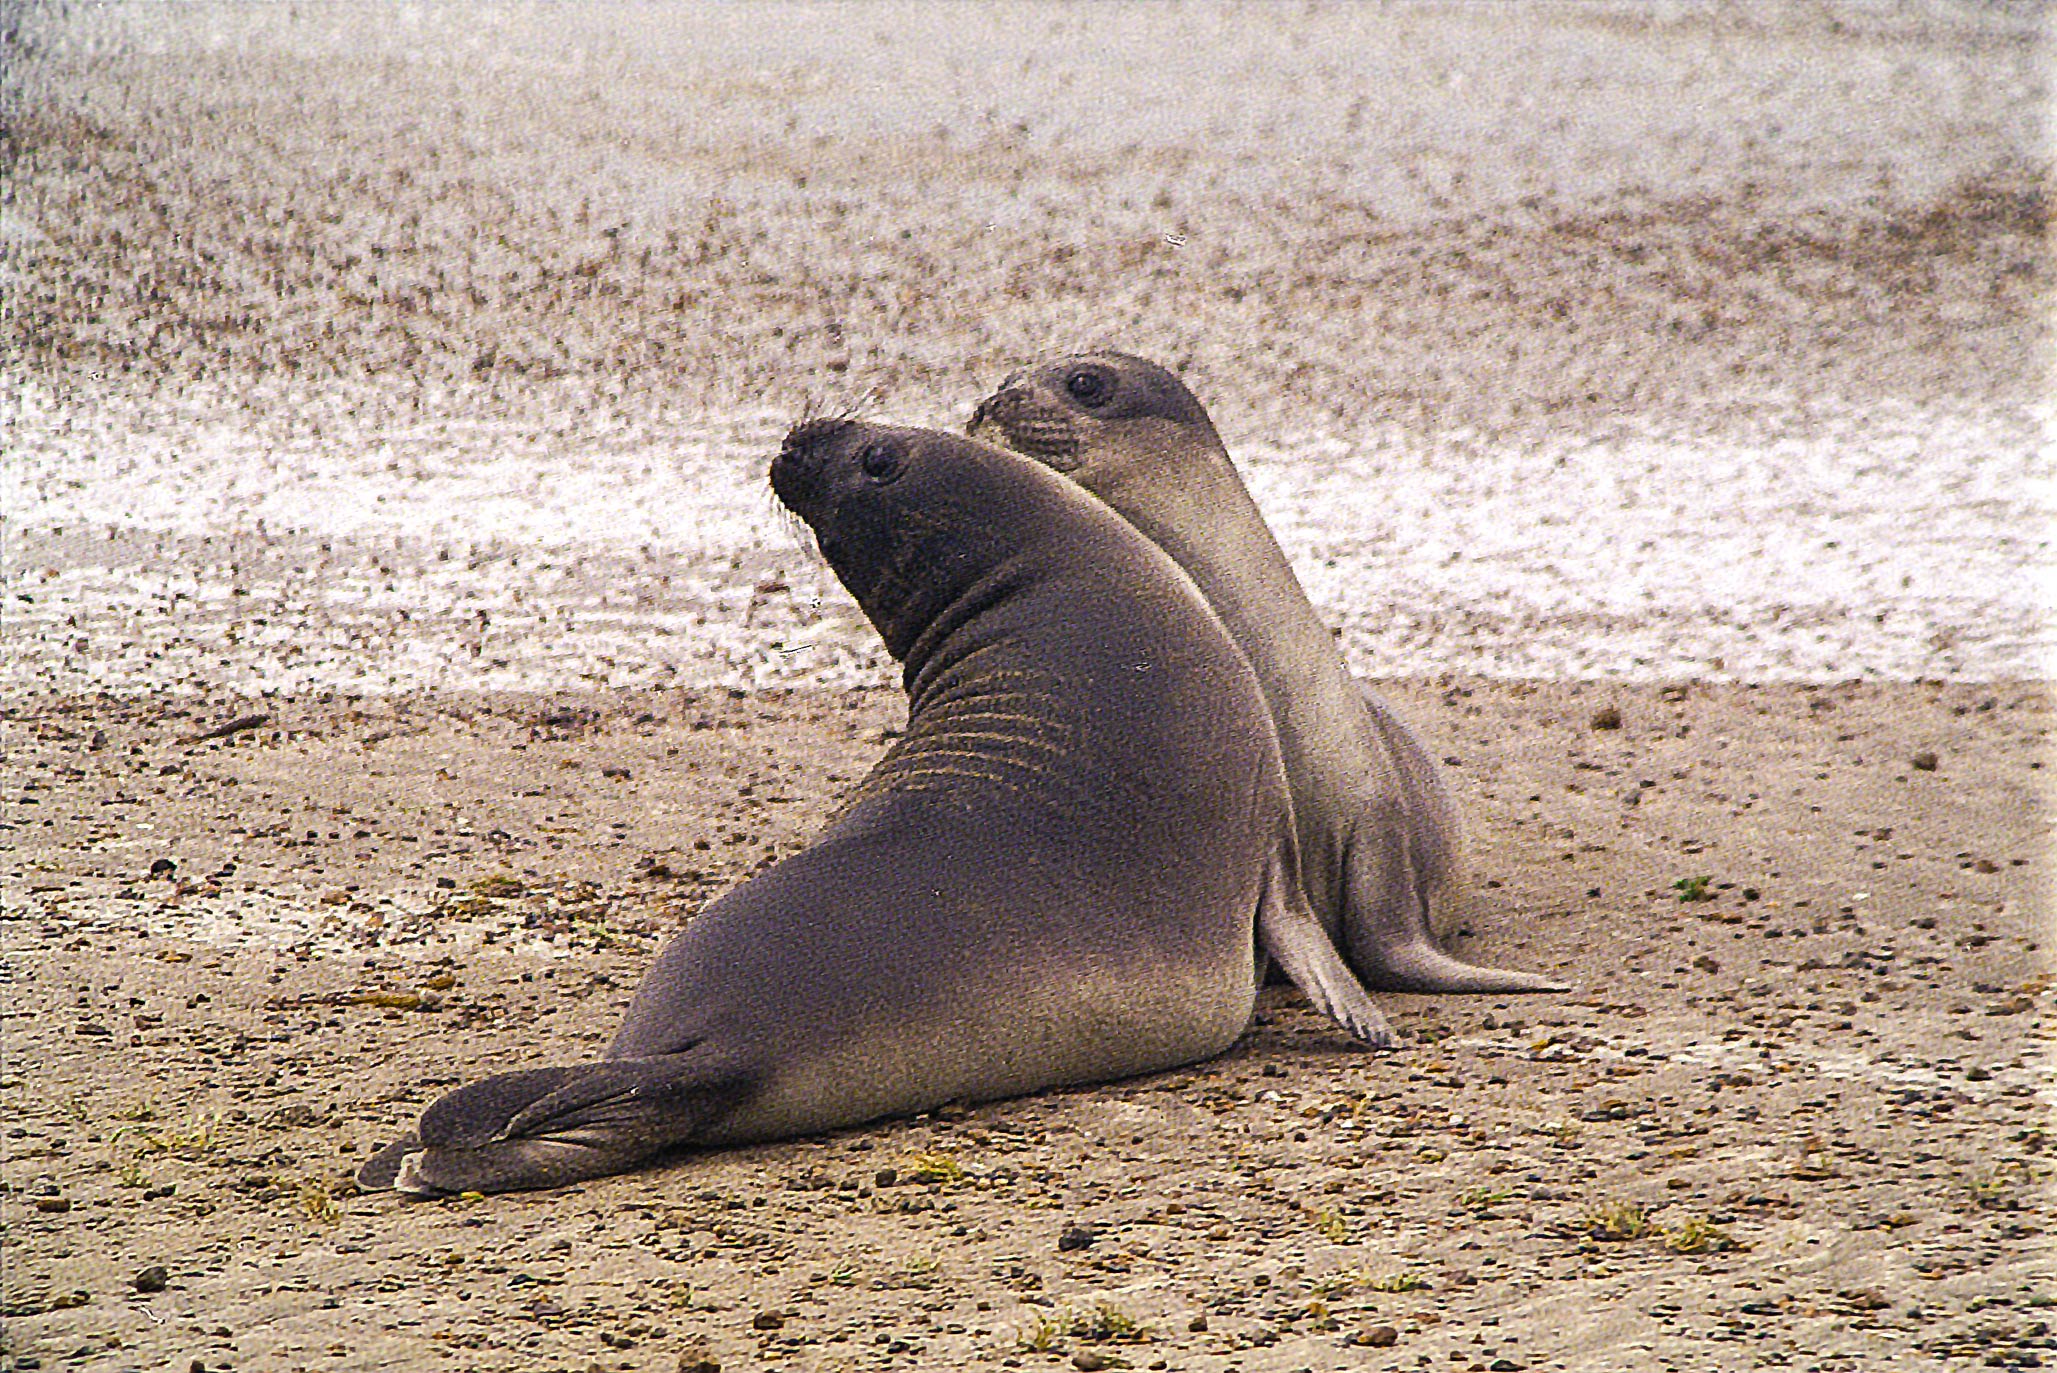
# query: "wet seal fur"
1057 875
1379 837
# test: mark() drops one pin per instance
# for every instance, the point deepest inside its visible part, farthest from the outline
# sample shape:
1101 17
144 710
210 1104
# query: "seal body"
1058 874
1379 838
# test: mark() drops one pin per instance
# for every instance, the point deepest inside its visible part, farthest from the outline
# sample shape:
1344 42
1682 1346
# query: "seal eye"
1088 387
879 462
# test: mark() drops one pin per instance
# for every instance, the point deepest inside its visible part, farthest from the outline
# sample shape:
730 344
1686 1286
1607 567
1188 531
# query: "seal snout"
796 471
1018 417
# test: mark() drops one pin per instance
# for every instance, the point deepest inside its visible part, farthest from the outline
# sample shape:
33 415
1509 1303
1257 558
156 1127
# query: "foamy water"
464 554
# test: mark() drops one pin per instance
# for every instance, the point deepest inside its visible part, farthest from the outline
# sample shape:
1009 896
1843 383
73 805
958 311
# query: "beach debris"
236 726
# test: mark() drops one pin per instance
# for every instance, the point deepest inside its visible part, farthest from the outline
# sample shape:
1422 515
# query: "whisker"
798 536
863 404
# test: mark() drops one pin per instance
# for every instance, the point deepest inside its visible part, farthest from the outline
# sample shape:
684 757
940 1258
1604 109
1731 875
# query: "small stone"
1379 1337
768 1320
885 1177
1197 1324
1923 761
164 867
1076 1237
155 1278
53 1205
697 1359
1607 717
1632 796
1086 1361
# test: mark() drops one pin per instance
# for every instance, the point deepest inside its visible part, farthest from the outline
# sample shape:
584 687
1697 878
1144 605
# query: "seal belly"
967 1046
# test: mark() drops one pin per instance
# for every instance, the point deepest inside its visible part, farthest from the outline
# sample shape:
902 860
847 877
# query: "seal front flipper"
548 1127
1288 931
1386 925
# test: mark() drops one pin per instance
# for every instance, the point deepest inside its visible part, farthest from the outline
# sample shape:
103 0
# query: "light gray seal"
1056 875
1379 837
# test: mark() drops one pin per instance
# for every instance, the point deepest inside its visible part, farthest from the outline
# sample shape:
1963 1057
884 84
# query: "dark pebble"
1076 1237
1380 1337
152 1279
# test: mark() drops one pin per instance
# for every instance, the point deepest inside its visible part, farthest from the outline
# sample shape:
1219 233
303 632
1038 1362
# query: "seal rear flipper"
1385 924
467 1117
382 1168
1288 931
549 1127
1428 817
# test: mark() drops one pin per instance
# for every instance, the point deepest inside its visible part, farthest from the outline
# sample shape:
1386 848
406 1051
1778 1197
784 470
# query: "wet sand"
446 350
404 376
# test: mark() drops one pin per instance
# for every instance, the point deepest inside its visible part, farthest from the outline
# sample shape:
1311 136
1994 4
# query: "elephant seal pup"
1056 875
1378 833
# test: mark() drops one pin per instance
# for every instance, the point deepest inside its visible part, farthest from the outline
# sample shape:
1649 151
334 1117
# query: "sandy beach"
396 382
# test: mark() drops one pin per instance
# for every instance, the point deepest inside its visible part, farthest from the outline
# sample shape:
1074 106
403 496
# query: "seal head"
1056 418
894 521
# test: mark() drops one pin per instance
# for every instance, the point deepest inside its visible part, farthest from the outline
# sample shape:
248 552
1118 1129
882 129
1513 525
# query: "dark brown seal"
1057 875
